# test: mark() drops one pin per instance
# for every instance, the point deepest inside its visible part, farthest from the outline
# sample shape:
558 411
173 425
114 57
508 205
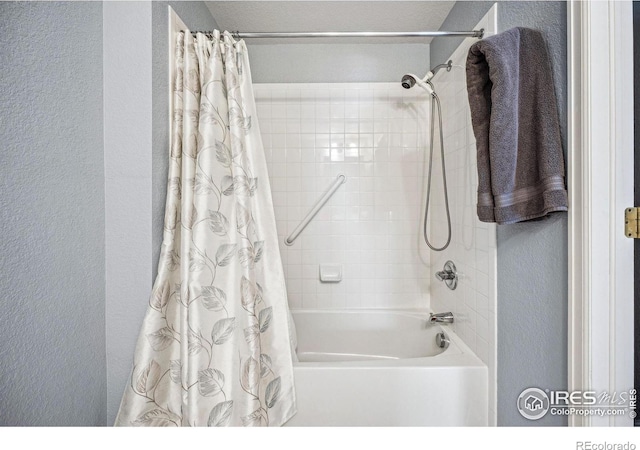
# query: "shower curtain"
216 343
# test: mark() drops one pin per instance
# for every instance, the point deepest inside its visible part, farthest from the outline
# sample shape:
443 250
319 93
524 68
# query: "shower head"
409 80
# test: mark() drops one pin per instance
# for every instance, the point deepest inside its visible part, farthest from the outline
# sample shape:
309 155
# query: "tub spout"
446 317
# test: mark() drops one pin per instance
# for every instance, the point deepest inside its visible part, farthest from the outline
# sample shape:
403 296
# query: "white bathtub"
383 368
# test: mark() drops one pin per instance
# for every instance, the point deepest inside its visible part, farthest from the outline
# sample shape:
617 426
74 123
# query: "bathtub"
383 368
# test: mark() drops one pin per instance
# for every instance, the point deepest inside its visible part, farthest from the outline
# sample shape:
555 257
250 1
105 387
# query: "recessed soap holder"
330 273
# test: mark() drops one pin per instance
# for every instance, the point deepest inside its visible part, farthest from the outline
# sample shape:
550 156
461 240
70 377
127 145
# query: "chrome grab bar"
340 180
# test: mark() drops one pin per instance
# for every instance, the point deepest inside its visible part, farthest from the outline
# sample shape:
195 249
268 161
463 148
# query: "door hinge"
632 222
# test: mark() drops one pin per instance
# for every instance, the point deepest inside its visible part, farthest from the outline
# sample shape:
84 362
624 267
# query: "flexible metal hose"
444 175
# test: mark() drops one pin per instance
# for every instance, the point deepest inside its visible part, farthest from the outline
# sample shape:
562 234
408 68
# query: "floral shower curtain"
216 344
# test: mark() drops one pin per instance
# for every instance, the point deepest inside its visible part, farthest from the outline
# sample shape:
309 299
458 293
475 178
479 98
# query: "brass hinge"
632 223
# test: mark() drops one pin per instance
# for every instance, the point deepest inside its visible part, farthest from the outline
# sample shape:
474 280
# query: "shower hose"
444 175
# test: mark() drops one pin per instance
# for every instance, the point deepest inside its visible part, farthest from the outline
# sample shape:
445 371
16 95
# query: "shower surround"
374 134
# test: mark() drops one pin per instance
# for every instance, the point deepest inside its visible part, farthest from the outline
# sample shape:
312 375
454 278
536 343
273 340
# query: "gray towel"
515 122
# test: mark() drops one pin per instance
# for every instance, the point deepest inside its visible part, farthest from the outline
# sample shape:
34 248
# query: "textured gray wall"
532 257
52 350
197 17
136 161
127 165
336 63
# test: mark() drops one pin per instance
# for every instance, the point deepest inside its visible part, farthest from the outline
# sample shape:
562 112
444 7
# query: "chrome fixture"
449 275
357 34
442 341
446 317
448 65
408 81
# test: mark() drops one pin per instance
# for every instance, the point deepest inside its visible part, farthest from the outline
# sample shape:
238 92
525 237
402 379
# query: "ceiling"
330 16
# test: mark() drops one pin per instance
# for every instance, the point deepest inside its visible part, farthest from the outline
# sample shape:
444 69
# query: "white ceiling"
330 16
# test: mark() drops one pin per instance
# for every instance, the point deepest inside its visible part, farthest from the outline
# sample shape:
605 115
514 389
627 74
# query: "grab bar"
340 179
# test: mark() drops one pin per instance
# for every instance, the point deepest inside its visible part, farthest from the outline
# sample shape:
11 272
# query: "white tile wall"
374 133
473 244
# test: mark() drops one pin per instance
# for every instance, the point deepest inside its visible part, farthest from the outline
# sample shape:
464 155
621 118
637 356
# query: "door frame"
600 185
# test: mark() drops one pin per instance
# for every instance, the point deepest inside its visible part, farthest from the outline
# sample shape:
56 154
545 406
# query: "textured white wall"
338 62
52 326
329 60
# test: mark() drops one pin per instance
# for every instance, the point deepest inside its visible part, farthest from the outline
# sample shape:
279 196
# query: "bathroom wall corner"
128 187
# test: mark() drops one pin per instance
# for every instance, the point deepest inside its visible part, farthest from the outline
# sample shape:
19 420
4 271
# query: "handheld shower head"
409 80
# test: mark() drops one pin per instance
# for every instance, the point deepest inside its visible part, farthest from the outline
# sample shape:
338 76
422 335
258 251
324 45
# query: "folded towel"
515 122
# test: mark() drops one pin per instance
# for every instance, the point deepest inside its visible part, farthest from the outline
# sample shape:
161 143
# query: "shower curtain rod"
334 34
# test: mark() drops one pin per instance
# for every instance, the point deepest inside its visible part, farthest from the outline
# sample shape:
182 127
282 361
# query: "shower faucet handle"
449 275
444 275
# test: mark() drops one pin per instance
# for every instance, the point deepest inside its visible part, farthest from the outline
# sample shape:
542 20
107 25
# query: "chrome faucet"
446 317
